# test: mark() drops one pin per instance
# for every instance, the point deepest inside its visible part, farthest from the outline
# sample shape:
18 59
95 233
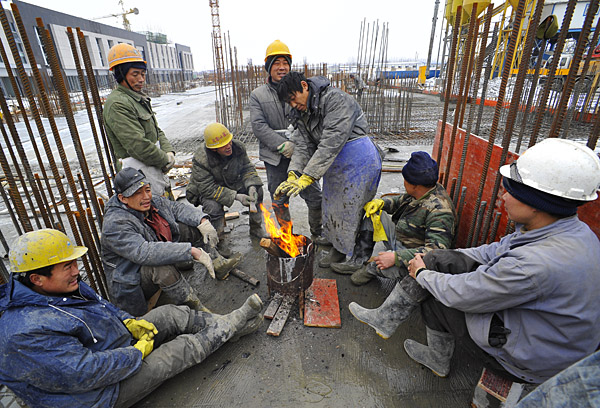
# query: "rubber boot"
333 256
282 213
364 274
222 247
436 355
223 265
387 317
363 248
256 227
181 293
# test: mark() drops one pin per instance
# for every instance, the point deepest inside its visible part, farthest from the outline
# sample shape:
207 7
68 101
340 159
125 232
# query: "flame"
292 244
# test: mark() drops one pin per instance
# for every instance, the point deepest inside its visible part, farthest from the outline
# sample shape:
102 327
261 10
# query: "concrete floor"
307 366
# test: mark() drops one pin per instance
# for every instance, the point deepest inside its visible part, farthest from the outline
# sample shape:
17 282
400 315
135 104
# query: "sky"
314 30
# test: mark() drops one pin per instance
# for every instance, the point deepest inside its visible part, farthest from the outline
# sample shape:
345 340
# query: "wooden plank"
153 299
273 306
281 316
232 215
321 305
272 248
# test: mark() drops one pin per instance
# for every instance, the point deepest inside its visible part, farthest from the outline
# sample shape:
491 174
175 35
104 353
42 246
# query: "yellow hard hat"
122 53
45 247
216 135
277 48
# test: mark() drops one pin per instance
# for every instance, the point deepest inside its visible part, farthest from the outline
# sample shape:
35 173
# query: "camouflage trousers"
185 338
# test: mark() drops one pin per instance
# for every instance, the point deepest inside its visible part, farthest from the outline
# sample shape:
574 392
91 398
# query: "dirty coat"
132 128
220 178
332 143
62 351
543 284
422 225
268 114
128 243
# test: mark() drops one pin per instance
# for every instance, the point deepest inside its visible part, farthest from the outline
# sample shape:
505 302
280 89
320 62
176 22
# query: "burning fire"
292 244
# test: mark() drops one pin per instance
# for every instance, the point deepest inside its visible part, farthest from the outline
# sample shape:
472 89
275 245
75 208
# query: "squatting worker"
130 123
528 305
64 346
332 143
269 117
222 174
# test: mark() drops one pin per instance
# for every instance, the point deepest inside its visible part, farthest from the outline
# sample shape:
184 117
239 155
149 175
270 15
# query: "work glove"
140 328
373 206
171 163
296 186
285 186
209 233
292 176
145 345
286 148
205 260
253 194
244 199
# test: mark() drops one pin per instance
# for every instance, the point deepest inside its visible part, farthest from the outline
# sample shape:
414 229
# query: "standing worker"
359 86
130 122
332 143
63 346
222 174
270 120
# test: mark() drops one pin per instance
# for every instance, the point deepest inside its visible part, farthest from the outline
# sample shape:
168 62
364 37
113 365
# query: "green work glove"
145 345
300 184
139 328
373 206
286 149
209 233
253 193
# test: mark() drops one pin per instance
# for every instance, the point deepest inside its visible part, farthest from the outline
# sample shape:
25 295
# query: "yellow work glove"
373 206
378 231
144 345
292 176
298 185
139 328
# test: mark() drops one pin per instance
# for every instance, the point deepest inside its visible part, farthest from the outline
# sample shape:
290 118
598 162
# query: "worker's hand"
244 199
253 193
373 206
202 257
385 259
286 148
145 345
292 176
415 264
209 233
171 163
298 185
140 327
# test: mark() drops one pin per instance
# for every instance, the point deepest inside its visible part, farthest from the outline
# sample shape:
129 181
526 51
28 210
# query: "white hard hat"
559 167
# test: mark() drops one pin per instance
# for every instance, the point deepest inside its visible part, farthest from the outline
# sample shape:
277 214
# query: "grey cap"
129 180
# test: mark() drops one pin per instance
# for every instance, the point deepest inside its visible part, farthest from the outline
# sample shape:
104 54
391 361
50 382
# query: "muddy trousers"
185 338
445 319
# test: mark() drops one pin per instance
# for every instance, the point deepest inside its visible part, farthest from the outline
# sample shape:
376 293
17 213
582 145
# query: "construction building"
166 62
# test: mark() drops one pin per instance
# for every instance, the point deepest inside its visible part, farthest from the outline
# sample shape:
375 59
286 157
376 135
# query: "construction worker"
528 305
422 219
146 241
270 124
62 345
222 174
359 86
332 143
130 123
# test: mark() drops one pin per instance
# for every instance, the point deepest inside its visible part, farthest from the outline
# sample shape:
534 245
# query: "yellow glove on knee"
139 328
144 345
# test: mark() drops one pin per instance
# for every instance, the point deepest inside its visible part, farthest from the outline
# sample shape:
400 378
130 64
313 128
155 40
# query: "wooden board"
273 306
281 316
321 304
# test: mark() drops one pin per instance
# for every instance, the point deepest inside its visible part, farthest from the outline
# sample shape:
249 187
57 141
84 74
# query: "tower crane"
123 14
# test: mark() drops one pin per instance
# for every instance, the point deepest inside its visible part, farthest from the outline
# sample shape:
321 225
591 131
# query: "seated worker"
331 143
145 239
221 174
528 305
63 346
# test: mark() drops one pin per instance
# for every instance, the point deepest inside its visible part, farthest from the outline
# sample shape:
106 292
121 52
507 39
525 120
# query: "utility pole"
433 24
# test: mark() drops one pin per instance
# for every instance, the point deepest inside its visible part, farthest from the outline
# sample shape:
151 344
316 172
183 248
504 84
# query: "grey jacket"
128 243
333 118
544 286
267 115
